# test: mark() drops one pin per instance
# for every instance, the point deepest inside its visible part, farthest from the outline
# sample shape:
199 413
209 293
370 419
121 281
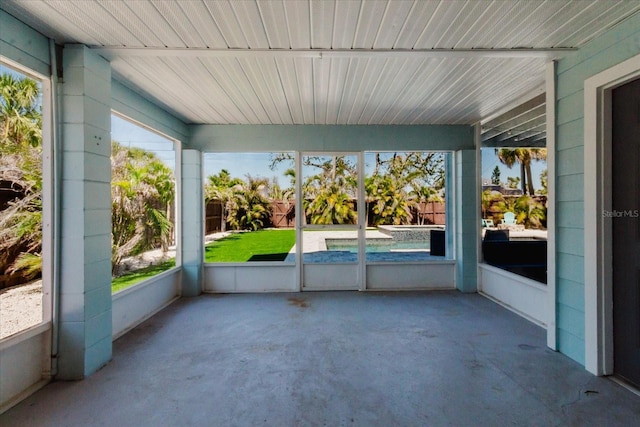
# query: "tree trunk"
530 179
523 179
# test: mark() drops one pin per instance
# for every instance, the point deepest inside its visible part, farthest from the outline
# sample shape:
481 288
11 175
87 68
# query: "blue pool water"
377 245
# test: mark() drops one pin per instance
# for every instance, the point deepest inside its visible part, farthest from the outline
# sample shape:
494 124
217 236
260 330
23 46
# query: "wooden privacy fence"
430 213
283 215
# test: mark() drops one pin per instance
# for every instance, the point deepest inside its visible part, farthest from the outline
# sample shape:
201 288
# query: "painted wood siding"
24 45
615 46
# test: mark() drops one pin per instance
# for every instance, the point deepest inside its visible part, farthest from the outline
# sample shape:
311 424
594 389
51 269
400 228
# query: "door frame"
361 229
598 240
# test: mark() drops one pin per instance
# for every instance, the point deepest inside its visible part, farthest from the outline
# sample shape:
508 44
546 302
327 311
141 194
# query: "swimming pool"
378 245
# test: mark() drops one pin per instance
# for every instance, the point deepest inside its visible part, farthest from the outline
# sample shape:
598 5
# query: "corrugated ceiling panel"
338 72
201 19
136 33
474 37
346 21
444 15
523 77
525 33
427 86
613 15
275 23
517 78
352 83
251 23
209 102
572 23
262 74
208 91
387 85
421 14
138 75
226 20
289 80
434 104
507 22
399 76
183 27
152 17
81 25
321 76
558 20
468 15
462 91
304 73
414 83
322 25
230 73
369 80
392 23
369 19
298 24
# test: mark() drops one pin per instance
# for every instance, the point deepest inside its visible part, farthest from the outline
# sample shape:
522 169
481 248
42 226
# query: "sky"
132 135
241 164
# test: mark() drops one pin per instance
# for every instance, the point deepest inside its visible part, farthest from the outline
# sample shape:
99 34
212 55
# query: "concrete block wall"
615 46
85 341
192 223
466 221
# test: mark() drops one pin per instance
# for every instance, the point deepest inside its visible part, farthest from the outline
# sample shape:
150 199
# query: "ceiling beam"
111 52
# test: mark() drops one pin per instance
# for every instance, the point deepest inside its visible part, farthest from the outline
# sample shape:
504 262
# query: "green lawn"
130 279
263 245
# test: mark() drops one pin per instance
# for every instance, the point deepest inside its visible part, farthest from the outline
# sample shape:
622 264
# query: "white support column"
85 341
192 223
466 221
550 77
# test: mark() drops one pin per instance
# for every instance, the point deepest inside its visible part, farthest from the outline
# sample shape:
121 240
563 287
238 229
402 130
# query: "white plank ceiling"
325 61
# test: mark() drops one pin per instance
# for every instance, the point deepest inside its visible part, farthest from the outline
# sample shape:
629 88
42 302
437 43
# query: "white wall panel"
253 277
23 363
524 296
411 276
133 305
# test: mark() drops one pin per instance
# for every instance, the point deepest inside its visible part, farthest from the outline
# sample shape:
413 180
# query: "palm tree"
21 176
388 201
524 157
329 195
20 115
220 187
142 192
250 208
530 212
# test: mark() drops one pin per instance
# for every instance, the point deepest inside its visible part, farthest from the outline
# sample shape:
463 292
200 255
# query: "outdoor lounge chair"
487 223
509 219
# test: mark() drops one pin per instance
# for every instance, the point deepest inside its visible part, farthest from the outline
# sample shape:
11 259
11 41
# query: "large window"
405 205
514 210
249 207
143 203
22 185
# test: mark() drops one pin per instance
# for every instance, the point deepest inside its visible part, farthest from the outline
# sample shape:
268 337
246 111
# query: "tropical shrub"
142 198
249 208
20 177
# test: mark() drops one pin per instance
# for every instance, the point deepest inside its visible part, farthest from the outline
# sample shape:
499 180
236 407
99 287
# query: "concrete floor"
334 359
